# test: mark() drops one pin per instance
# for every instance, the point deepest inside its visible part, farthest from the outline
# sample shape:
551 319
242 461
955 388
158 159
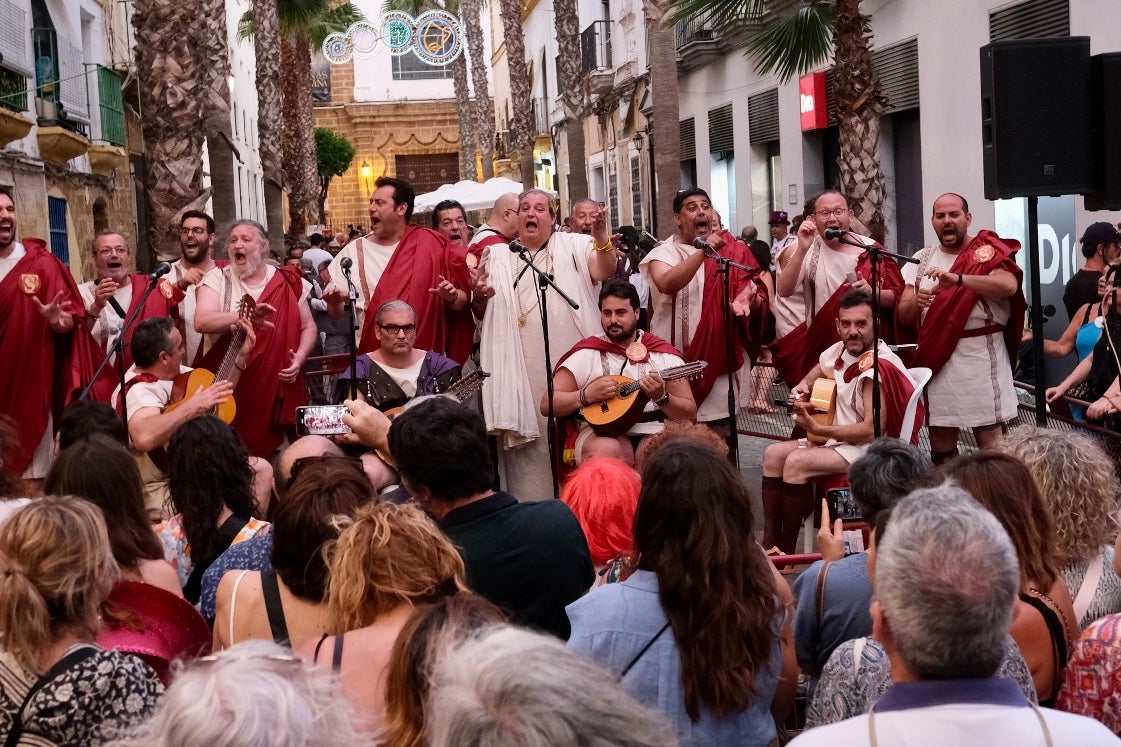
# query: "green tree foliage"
334 154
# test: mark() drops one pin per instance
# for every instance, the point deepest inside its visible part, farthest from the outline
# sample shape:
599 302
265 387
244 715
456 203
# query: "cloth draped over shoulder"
52 366
949 311
509 407
421 257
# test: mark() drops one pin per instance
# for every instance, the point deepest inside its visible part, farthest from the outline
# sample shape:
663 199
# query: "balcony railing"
541 116
696 29
13 91
502 144
111 104
60 82
595 47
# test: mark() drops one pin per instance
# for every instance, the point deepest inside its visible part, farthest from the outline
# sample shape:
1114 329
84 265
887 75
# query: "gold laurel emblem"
636 352
166 289
30 283
983 253
865 362
472 261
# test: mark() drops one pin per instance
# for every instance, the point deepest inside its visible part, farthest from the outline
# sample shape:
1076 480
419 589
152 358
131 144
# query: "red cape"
945 319
653 343
896 389
159 304
798 352
420 259
41 369
708 343
264 404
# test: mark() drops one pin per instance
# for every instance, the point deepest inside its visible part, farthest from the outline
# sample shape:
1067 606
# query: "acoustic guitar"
616 416
187 385
461 390
821 406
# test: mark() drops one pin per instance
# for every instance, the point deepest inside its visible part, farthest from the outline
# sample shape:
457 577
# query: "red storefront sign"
811 101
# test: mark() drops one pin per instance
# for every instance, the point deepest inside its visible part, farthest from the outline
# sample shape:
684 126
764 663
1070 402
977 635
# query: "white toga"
374 261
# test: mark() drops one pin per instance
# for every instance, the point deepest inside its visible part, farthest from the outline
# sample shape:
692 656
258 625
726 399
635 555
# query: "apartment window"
636 190
410 67
60 239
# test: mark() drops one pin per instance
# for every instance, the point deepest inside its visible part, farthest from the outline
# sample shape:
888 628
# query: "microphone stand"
118 349
724 270
876 253
544 282
352 341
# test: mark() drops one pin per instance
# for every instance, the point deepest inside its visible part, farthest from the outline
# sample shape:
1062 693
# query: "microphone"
517 247
832 234
346 263
704 246
161 269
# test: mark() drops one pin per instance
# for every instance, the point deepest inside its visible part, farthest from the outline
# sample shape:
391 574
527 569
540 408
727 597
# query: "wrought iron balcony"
595 47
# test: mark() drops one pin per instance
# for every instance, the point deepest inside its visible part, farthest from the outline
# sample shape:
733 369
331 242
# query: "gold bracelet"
602 249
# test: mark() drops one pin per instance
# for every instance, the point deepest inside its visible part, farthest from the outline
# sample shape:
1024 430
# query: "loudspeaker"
1036 117
1107 132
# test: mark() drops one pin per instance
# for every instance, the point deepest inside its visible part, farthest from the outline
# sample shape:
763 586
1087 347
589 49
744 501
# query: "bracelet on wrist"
602 249
961 279
584 397
664 399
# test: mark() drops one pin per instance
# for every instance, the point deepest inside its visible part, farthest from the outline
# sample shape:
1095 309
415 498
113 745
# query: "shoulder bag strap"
270 588
337 655
70 660
1088 588
820 595
645 648
228 532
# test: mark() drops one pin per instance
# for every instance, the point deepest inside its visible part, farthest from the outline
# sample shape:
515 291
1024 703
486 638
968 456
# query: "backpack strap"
72 659
270 588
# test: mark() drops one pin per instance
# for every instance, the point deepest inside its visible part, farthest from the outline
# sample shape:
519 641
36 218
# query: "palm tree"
266 46
521 136
665 144
567 21
796 40
470 11
167 69
213 55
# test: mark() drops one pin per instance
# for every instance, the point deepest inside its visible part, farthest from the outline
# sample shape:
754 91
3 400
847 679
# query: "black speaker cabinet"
1107 132
1037 117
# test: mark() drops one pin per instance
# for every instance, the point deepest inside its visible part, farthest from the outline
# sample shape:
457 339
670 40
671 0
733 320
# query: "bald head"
308 446
504 214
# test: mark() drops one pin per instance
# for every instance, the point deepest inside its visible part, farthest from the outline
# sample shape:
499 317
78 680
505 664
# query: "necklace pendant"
521 320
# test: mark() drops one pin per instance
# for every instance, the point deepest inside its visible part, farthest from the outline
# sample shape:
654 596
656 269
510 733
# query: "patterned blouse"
1092 678
99 699
848 689
178 552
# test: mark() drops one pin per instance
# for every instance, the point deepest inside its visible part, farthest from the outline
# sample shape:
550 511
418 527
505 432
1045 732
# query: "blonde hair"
1078 483
56 569
387 555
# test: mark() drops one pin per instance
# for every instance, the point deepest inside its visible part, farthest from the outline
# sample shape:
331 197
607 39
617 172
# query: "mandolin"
616 416
461 390
187 384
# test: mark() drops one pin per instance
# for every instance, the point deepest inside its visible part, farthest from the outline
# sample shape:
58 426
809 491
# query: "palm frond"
728 17
336 19
300 15
245 25
412 7
792 44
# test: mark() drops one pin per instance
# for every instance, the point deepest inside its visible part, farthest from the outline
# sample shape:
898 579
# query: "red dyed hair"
603 493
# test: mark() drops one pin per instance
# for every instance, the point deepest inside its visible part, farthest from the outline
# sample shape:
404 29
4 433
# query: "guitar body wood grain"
187 384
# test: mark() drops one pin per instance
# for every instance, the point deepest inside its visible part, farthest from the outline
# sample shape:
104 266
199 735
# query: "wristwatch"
664 399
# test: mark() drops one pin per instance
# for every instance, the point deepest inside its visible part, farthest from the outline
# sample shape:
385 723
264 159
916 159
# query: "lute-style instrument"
461 390
616 416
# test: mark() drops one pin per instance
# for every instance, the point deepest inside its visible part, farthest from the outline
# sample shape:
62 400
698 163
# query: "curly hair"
1002 484
674 429
694 530
430 630
208 470
388 554
1078 483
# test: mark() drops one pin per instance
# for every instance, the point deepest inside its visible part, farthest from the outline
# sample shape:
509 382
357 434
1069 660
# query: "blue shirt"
845 613
613 623
251 555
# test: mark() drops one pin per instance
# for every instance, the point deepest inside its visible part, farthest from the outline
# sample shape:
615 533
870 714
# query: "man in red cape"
583 376
399 261
114 297
965 298
789 466
824 268
687 296
45 356
272 382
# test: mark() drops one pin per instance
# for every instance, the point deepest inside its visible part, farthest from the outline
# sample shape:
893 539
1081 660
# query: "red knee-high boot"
797 504
772 511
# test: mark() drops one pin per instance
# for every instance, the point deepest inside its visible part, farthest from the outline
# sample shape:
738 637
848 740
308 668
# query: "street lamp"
366 173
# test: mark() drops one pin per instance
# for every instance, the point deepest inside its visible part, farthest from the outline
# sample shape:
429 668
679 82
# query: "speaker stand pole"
1036 312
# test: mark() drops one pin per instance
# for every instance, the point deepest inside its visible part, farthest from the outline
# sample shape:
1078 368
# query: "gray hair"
548 199
253 693
946 580
391 306
887 470
262 232
521 689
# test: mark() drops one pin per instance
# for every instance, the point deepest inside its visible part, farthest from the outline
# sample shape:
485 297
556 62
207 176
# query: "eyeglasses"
197 231
396 329
835 212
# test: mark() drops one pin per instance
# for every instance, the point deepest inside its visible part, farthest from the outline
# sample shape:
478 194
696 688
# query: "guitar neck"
226 369
669 374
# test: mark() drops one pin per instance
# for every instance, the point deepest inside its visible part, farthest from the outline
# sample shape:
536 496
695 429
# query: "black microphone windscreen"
517 247
161 269
346 263
834 233
701 244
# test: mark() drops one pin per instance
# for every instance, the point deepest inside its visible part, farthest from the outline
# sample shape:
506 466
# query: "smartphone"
321 420
842 505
